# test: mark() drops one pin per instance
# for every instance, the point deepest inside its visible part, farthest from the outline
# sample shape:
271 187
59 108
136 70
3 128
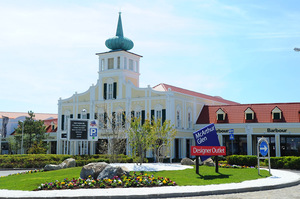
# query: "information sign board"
206 136
208 150
78 129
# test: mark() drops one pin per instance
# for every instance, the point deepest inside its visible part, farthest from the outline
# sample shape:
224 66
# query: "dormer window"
249 114
221 115
276 114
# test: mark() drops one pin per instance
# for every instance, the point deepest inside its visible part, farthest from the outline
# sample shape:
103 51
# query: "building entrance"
239 144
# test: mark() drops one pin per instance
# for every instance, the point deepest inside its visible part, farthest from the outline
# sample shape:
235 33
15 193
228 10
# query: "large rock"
187 161
51 167
67 163
70 162
110 172
209 162
92 169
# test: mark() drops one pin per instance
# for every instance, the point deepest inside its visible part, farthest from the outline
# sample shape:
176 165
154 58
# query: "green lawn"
181 177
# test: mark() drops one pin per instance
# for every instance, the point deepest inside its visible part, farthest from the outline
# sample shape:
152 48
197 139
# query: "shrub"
40 160
243 160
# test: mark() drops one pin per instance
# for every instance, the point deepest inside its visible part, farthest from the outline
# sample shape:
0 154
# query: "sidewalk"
279 179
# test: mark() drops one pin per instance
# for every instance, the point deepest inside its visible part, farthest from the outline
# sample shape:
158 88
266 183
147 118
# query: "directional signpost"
263 149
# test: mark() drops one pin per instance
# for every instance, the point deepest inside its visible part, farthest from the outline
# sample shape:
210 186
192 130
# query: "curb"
169 195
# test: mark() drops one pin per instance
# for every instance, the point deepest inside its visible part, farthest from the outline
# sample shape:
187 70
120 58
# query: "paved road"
7 172
289 192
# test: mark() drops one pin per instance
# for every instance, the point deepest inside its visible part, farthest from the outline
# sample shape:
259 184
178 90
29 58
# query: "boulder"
92 169
51 167
67 163
70 162
110 172
209 162
187 161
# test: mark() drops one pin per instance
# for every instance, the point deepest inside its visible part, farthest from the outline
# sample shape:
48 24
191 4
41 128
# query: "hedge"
242 160
285 162
40 160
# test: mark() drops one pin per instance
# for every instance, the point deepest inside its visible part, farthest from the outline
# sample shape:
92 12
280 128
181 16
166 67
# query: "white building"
117 92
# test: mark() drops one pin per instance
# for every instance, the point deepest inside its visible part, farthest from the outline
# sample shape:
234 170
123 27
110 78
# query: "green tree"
163 135
150 135
34 133
140 138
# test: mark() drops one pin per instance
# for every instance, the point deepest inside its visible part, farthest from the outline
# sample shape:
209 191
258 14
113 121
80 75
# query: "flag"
4 124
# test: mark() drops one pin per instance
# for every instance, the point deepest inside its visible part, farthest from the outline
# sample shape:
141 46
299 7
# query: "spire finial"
119 27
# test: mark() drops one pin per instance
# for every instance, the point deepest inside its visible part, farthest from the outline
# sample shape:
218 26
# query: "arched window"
178 117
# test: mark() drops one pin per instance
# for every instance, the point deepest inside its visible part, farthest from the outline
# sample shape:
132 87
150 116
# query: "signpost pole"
217 164
197 164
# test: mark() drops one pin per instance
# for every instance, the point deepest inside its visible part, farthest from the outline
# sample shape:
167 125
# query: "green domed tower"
119 64
119 42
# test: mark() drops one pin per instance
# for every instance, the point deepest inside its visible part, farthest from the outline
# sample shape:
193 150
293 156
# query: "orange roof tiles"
262 113
38 116
166 87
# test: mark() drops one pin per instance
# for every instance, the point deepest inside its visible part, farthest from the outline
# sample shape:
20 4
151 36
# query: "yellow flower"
164 181
63 183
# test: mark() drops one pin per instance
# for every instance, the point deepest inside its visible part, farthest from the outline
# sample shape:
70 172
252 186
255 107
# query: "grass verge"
29 182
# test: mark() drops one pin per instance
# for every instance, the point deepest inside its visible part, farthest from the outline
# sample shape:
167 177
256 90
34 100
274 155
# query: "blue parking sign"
93 132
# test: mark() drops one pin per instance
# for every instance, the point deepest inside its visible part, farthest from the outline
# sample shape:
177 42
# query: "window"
125 62
130 64
158 114
220 115
102 64
189 120
178 121
84 114
118 63
249 114
110 63
102 120
110 90
276 114
136 66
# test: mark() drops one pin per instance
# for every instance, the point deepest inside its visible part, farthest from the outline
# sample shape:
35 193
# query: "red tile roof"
166 87
38 116
262 113
48 124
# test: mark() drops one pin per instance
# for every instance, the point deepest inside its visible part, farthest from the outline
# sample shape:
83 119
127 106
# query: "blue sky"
239 50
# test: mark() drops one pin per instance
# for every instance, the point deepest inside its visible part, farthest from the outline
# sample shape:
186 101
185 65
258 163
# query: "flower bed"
234 166
135 180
